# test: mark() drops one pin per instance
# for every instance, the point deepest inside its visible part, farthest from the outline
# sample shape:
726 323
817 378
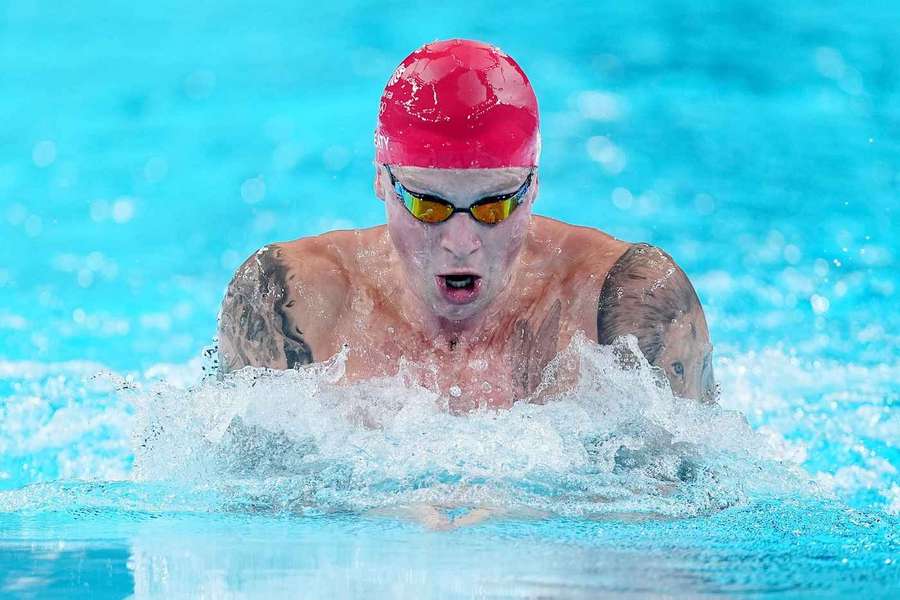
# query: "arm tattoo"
255 327
647 295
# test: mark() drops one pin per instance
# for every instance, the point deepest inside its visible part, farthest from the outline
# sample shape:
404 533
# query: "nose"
458 236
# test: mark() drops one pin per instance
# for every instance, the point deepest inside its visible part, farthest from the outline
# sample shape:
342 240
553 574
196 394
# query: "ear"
535 184
379 189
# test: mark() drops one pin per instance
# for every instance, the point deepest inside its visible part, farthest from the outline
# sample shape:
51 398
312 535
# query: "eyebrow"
426 190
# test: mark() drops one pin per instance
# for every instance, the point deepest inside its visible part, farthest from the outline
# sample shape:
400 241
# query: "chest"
494 370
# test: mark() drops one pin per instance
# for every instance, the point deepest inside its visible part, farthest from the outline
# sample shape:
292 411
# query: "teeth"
459 281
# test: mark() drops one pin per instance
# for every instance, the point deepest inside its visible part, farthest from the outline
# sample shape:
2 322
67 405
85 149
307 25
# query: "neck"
478 330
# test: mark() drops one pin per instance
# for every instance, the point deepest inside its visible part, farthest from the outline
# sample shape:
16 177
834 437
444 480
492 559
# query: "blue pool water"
147 149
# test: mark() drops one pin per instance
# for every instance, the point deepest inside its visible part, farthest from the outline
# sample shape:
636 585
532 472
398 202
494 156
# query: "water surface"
149 149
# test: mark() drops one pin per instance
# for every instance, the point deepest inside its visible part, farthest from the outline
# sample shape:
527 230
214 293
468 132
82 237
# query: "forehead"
461 183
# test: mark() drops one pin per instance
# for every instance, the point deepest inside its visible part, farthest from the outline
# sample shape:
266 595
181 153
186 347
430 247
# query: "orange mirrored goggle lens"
493 212
427 210
431 211
436 210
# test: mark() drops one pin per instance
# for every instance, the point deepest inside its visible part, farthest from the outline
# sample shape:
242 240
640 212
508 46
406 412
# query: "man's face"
458 267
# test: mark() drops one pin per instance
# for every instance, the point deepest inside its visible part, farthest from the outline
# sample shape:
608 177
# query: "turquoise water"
146 150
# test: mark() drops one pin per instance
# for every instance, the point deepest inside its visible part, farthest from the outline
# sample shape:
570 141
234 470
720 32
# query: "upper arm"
257 324
646 294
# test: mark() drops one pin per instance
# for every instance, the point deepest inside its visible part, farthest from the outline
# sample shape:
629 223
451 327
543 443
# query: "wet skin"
530 283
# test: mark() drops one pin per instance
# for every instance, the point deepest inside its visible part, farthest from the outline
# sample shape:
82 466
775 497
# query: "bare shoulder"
581 250
576 260
646 275
279 305
316 269
646 294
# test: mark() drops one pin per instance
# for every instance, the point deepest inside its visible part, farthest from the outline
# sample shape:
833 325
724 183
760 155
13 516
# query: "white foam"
616 440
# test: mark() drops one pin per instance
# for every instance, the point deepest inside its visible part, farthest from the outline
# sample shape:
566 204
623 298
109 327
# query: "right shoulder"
279 306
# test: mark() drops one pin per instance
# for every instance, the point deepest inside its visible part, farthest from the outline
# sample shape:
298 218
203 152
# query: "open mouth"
459 288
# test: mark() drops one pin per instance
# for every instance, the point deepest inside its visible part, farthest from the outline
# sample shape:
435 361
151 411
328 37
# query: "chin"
456 312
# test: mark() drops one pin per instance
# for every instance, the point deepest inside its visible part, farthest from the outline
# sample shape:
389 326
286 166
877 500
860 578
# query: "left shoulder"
650 271
579 251
646 294
644 290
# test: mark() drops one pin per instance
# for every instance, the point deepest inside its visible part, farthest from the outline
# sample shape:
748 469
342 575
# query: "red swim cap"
458 104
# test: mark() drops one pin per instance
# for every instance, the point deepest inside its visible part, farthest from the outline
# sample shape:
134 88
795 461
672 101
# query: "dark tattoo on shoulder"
255 327
645 294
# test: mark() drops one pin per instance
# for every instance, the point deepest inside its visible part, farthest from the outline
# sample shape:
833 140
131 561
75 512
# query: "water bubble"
324 224
44 153
95 261
182 310
33 226
287 155
821 267
264 222
100 210
123 210
370 62
851 82
648 202
253 190
622 198
478 364
16 214
85 278
599 105
602 150
47 299
830 63
792 254
41 342
820 304
336 158
9 320
156 321
66 175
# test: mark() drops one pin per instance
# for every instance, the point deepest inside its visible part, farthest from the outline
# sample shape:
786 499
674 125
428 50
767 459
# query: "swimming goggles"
433 209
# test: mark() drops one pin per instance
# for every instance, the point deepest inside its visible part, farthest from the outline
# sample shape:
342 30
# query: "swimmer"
464 284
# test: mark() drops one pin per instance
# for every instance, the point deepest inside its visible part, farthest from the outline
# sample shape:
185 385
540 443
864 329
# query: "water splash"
612 440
